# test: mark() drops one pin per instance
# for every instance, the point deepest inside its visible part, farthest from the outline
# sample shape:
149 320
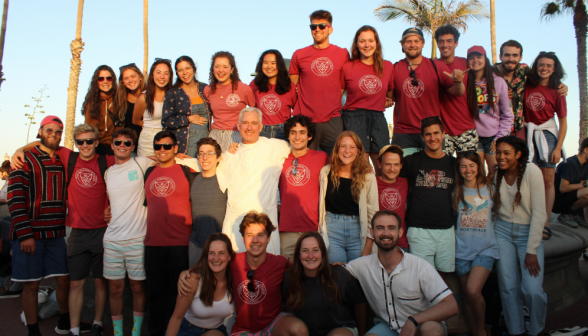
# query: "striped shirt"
36 197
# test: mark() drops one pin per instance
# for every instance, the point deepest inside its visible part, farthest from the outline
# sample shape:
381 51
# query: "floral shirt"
517 86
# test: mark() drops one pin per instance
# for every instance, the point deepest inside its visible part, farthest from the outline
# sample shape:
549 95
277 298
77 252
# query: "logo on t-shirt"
536 101
86 178
270 104
370 84
249 297
233 100
475 218
322 66
302 175
433 179
162 186
390 198
413 91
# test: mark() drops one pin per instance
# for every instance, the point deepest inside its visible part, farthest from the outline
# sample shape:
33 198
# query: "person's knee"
31 287
548 180
138 287
473 295
76 286
298 328
100 284
340 332
116 288
63 282
431 328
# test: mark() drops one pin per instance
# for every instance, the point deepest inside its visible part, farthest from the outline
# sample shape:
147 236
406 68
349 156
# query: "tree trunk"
434 46
2 37
493 30
581 26
77 46
145 37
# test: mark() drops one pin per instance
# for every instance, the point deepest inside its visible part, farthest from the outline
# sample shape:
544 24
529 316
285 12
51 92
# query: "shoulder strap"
189 175
102 165
147 173
142 172
438 79
71 164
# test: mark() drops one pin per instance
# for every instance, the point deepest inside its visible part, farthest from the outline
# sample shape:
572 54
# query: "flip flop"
547 232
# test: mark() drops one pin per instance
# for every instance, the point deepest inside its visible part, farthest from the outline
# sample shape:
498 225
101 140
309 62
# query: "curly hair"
92 101
120 104
360 166
304 121
283 82
234 73
5 166
458 194
378 54
519 146
556 77
150 90
254 217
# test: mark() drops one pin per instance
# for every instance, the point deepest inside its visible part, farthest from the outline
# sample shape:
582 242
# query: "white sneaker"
23 319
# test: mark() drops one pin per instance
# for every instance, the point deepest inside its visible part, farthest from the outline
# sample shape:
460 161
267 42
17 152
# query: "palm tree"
145 36
577 8
77 46
493 30
2 36
429 15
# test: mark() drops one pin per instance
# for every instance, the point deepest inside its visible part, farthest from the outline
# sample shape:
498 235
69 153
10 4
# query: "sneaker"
585 255
10 294
567 220
62 327
96 330
581 221
86 327
23 319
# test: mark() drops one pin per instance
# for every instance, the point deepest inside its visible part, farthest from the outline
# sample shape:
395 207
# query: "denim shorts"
551 142
273 132
370 126
406 141
484 144
188 329
382 328
463 267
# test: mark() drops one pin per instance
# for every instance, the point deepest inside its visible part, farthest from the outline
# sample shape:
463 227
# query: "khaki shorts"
437 247
288 243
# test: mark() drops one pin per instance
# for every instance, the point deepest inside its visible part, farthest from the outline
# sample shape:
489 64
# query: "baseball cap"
478 49
412 32
50 120
384 149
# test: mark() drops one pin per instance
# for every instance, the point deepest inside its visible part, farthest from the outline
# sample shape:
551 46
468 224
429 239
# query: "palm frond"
554 9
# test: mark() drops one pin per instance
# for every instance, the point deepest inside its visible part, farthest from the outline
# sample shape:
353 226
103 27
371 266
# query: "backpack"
73 159
187 173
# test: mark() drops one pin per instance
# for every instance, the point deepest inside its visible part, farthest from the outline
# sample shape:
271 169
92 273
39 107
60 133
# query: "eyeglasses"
414 82
130 65
158 147
127 143
321 26
295 169
102 79
205 154
51 130
157 59
250 284
80 142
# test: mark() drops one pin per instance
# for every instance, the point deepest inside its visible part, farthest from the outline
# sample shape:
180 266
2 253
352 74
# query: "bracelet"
416 324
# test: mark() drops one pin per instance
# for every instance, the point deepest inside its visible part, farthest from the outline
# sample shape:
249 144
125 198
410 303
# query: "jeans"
512 242
344 234
188 329
197 132
163 265
273 132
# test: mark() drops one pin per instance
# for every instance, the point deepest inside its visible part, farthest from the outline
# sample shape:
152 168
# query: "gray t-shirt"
209 205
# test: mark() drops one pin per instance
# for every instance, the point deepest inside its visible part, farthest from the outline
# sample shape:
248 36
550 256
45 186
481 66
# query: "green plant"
31 116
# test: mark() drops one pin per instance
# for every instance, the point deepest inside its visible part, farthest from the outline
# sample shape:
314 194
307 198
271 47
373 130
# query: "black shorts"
370 126
85 252
563 202
406 140
326 135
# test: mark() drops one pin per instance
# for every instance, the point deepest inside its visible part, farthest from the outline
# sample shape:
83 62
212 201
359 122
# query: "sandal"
546 232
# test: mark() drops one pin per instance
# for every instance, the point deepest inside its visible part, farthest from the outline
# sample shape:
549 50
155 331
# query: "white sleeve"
431 283
353 267
144 162
190 163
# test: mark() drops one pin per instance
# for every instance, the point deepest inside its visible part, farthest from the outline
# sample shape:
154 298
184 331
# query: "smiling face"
476 61
250 127
122 152
161 75
269 66
391 166
320 36
468 170
222 70
310 255
386 232
185 72
207 157
131 79
511 58
51 135
86 151
165 155
366 43
507 156
255 239
218 256
433 137
298 137
413 46
447 44
347 151
105 85
545 67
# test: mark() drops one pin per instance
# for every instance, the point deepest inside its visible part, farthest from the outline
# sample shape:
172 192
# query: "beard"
388 247
413 53
47 143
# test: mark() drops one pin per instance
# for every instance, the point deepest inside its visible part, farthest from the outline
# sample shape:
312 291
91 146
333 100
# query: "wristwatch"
585 184
416 324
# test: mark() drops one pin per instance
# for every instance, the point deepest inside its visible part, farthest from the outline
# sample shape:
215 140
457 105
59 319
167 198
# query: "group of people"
169 178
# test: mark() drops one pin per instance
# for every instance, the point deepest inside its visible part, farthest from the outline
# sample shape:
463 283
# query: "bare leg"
76 302
582 201
290 326
139 296
340 332
463 282
475 283
115 294
100 299
431 328
374 157
62 294
213 333
548 180
29 300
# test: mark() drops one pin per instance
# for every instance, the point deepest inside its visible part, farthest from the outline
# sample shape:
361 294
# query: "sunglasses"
51 130
130 65
102 79
127 143
321 26
547 53
295 170
157 59
80 142
158 147
414 82
250 285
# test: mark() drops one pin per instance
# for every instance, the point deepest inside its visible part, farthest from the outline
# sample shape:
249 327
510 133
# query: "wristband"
416 324
585 184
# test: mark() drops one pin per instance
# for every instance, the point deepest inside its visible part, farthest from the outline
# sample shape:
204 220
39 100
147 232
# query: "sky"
38 35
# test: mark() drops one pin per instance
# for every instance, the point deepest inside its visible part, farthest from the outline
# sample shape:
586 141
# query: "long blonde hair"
122 91
360 166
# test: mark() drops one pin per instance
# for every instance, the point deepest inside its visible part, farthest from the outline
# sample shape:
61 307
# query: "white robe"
251 177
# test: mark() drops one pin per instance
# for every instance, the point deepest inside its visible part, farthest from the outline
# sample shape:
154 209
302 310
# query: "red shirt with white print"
365 88
455 111
226 104
275 108
392 196
542 103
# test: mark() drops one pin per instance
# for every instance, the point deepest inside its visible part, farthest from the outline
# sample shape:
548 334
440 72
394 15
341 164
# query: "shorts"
551 142
564 201
194 254
145 143
124 256
85 252
225 138
382 328
410 143
466 141
288 243
370 126
326 135
463 267
437 247
273 132
484 144
48 260
267 331
188 329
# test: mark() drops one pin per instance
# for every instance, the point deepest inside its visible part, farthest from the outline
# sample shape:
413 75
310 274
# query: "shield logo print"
536 101
270 104
86 178
390 198
302 175
322 66
233 100
413 91
162 186
370 84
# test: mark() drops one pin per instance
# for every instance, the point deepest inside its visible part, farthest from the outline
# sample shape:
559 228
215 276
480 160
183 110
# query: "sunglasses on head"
80 142
130 65
321 26
102 79
158 147
295 169
157 59
127 143
466 153
250 284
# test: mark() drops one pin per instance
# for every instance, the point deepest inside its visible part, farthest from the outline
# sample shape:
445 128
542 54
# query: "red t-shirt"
415 103
86 194
169 214
319 89
299 194
275 108
454 110
226 104
255 311
392 196
541 104
365 89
